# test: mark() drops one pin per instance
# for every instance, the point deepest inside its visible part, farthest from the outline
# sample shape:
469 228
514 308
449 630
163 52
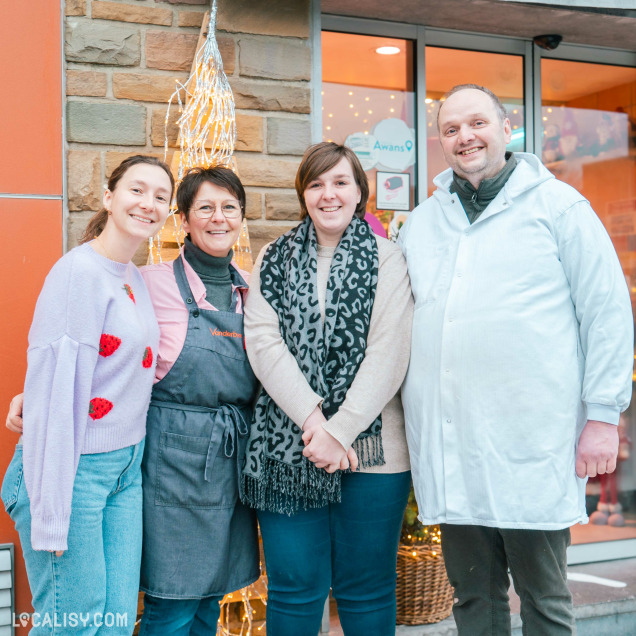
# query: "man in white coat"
521 364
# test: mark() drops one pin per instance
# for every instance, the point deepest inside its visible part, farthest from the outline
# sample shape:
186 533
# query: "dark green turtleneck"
214 272
476 201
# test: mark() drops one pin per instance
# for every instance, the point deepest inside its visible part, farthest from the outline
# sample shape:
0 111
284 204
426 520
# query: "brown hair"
196 177
322 157
97 222
499 107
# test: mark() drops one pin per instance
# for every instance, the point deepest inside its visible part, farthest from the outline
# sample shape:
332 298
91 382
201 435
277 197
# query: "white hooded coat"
522 331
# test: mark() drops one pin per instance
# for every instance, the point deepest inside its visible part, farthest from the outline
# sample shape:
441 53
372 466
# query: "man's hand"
14 417
597 450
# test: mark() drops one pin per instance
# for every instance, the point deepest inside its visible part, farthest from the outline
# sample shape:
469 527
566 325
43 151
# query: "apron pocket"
181 474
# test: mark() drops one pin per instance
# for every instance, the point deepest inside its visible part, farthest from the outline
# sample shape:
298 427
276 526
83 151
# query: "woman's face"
209 227
331 201
140 202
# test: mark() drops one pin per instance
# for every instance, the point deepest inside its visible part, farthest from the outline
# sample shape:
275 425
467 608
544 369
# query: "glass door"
368 103
588 120
501 73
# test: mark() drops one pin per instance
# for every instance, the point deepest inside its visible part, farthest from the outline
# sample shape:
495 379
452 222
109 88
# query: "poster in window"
392 191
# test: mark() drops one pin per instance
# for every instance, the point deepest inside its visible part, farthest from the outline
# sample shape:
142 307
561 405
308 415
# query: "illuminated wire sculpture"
207 134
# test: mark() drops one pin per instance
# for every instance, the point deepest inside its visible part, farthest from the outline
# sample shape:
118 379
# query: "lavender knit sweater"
91 359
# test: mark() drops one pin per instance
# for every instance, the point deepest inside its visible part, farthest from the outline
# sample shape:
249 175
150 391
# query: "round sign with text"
394 143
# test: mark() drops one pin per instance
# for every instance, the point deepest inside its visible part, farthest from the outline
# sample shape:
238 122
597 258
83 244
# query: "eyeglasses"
229 209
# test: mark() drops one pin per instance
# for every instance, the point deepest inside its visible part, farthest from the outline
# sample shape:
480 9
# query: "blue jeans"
180 617
350 546
92 588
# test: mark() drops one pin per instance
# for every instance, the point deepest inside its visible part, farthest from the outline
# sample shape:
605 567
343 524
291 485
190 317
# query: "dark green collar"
206 265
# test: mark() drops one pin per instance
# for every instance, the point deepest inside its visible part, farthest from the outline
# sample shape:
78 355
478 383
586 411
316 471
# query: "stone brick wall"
122 59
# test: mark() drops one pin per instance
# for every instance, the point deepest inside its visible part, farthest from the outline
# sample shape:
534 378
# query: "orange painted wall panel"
31 111
31 162
34 242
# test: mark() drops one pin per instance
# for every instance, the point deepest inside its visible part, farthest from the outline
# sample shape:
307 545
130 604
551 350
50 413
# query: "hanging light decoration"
207 122
207 134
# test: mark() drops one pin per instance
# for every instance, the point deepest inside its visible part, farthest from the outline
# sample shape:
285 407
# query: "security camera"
548 42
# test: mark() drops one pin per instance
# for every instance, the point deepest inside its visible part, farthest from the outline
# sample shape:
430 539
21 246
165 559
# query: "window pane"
368 103
589 141
445 68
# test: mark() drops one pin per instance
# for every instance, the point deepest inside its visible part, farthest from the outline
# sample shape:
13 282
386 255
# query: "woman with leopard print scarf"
327 326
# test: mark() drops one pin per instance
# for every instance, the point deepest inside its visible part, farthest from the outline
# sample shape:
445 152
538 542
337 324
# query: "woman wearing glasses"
199 541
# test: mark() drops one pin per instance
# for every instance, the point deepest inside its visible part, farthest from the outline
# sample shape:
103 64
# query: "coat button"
189 301
195 313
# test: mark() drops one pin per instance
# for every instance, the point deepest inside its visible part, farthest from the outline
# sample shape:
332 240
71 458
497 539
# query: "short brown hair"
196 177
322 157
499 107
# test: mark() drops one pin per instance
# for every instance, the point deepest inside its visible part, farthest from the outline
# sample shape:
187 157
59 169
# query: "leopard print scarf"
277 477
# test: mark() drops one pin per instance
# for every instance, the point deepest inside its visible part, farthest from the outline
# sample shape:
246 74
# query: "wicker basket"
424 594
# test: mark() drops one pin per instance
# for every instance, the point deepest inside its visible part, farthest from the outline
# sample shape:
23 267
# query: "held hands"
597 450
14 417
324 450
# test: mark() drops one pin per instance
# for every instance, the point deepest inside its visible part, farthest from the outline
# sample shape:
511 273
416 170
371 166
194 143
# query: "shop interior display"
609 510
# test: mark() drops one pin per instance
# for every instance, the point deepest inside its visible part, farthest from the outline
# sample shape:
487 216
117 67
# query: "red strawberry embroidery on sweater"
128 290
98 407
108 345
146 363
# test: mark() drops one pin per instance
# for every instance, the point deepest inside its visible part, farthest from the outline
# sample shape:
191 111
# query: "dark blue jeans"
350 546
477 560
179 617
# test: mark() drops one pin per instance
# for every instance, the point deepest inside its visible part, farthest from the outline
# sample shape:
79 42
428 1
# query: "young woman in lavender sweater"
73 488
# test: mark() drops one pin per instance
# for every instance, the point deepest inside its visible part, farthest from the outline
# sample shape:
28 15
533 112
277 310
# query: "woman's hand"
324 450
14 417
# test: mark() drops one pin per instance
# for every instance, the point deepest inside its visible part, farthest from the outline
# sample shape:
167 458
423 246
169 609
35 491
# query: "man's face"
473 137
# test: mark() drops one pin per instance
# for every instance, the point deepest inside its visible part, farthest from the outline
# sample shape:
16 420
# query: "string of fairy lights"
349 109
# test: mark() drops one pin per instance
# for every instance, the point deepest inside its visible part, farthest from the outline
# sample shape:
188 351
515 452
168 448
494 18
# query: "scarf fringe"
285 489
369 450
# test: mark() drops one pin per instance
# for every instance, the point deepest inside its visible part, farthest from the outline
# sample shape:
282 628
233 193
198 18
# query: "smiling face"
140 202
473 136
331 200
215 235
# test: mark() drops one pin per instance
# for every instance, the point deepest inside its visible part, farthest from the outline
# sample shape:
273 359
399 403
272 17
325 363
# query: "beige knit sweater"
376 386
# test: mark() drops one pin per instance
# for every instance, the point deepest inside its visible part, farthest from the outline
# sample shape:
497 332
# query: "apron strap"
186 291
182 283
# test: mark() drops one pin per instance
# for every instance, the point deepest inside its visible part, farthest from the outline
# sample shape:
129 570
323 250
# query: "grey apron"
199 540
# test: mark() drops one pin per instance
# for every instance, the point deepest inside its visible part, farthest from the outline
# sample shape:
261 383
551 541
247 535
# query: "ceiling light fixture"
387 50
